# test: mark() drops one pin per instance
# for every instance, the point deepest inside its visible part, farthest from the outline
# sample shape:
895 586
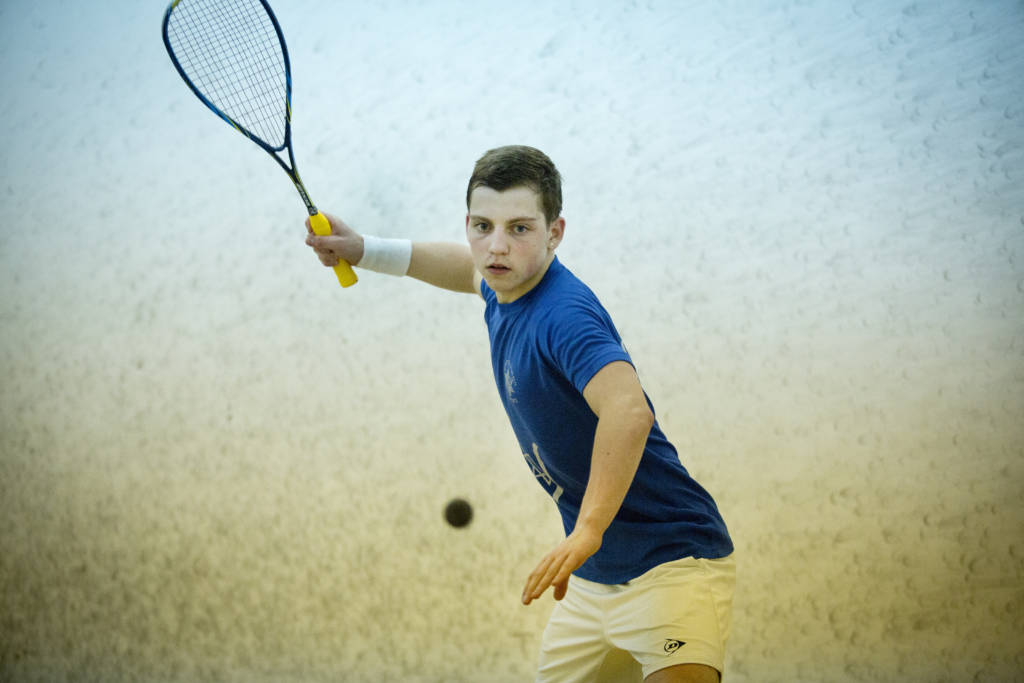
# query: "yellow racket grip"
346 276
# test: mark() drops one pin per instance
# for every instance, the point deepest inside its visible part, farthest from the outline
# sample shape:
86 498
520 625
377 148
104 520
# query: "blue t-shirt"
545 347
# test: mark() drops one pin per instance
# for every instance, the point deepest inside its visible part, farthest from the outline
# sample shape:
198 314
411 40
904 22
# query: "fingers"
323 249
558 565
534 583
561 588
343 244
557 576
554 570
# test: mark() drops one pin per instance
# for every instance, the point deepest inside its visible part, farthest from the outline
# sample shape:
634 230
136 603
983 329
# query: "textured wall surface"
806 217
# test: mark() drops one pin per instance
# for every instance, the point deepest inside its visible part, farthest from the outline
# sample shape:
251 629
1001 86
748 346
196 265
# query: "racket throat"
310 207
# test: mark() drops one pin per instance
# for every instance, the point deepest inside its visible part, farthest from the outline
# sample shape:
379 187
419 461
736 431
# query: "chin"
496 286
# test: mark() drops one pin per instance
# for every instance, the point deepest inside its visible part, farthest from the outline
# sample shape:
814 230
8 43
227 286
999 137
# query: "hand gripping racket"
231 53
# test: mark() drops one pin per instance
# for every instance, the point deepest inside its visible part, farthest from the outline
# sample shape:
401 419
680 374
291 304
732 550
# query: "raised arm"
447 265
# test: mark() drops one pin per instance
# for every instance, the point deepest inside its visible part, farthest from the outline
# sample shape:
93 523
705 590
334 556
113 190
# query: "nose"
499 243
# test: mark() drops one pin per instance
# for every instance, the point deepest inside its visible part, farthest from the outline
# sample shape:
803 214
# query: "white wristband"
389 256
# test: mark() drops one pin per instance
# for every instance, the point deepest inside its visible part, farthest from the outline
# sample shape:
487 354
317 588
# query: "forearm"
443 264
624 420
618 447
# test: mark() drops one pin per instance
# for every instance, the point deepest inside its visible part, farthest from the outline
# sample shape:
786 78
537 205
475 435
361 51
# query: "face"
511 240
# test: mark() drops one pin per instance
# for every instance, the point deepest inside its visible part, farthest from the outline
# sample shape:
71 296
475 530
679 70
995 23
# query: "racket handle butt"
346 276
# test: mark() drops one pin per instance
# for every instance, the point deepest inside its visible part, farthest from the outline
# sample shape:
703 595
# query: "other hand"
556 567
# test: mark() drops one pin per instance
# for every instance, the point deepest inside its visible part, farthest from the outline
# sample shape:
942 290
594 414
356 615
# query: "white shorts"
677 613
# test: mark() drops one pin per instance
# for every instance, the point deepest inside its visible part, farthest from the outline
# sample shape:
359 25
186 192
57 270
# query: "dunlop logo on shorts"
672 645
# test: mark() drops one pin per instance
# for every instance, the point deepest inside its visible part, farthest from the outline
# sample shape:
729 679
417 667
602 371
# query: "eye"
481 226
521 229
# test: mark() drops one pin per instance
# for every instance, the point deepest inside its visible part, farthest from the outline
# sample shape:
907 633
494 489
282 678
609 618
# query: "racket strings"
231 52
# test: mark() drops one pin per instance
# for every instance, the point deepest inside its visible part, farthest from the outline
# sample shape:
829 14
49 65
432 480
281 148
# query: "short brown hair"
514 165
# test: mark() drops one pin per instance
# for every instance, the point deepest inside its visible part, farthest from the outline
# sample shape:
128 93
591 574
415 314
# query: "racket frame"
291 169
318 222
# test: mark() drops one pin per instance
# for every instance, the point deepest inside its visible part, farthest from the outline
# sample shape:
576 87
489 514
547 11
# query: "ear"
555 233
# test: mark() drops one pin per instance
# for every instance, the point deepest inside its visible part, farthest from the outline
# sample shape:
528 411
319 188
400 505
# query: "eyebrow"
521 219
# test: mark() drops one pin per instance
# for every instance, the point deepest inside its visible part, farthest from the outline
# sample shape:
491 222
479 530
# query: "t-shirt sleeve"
582 340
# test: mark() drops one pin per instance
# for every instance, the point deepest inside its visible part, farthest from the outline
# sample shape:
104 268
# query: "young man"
646 564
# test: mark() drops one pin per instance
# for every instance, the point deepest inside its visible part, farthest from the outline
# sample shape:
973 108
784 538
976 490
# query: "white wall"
807 218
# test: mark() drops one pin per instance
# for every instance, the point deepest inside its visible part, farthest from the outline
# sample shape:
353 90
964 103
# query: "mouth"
497 269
